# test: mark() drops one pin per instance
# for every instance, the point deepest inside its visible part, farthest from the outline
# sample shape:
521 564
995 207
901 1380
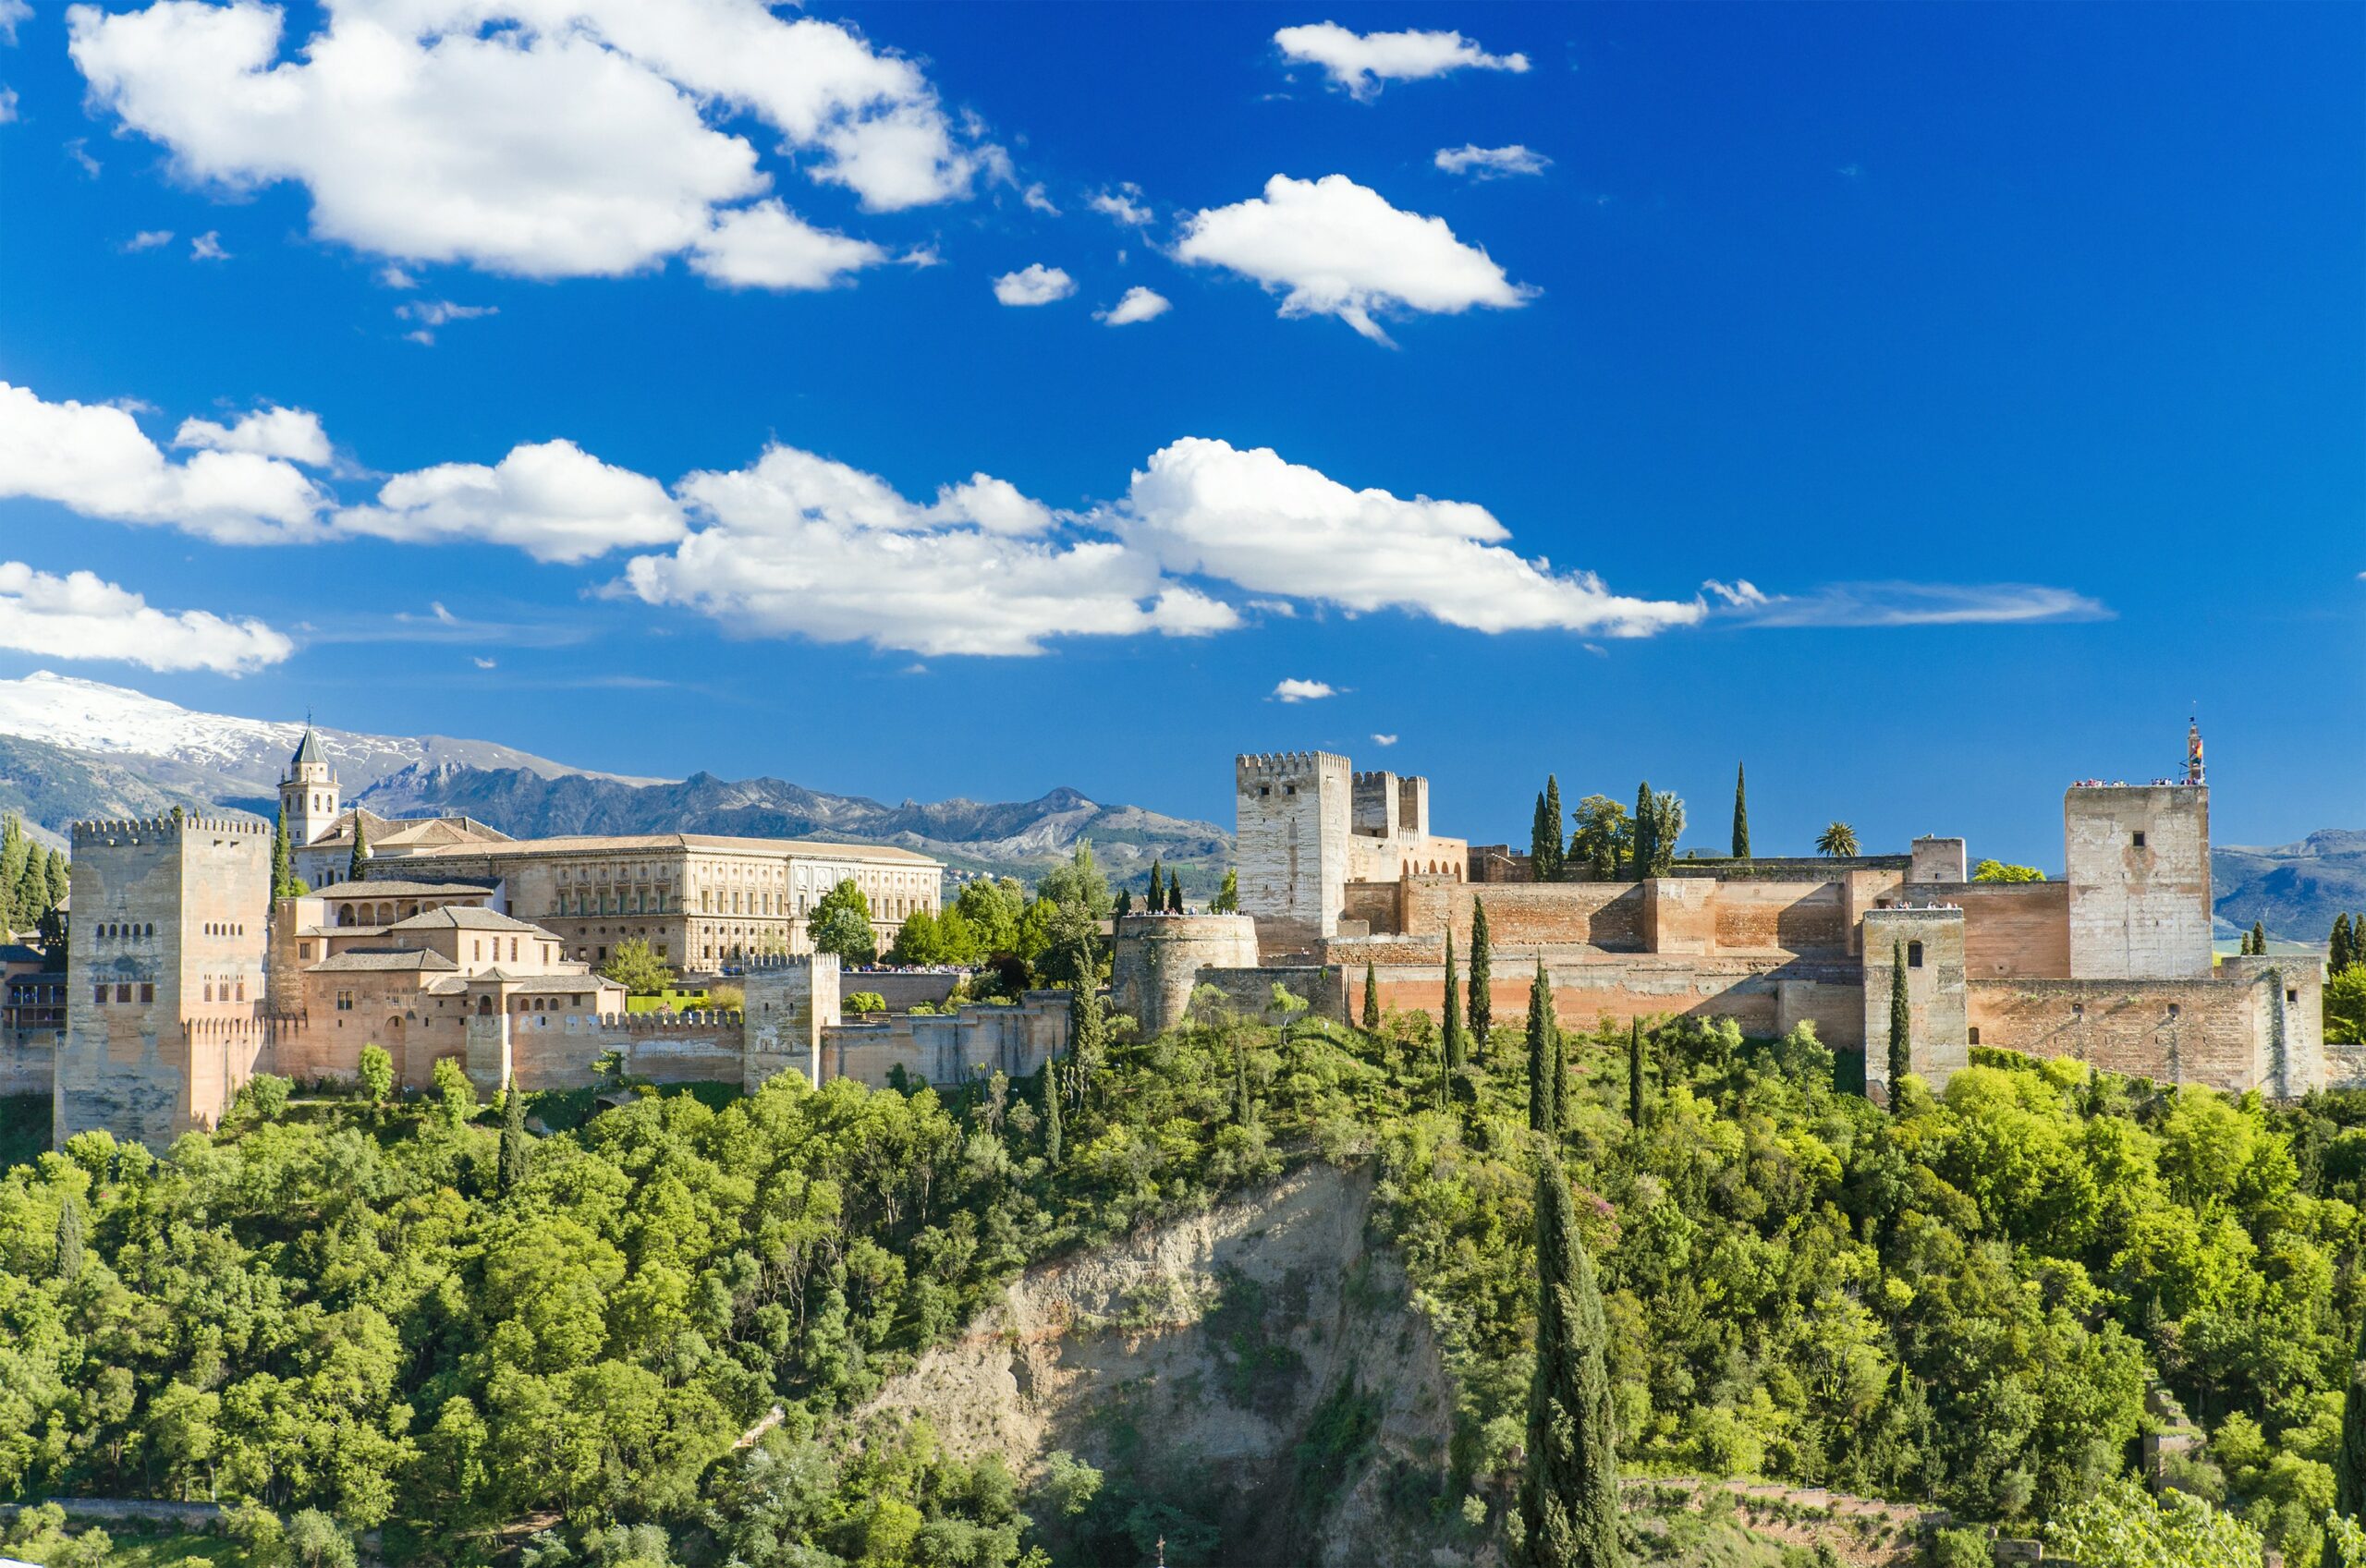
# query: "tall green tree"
634 965
1837 841
1371 999
1175 893
1646 849
841 924
1052 1130
1544 840
60 878
1157 886
1568 1492
283 857
1088 1025
2339 953
1456 1049
1741 814
16 848
357 866
1482 981
1124 902
1667 826
1602 837
2349 1459
1552 838
70 1238
517 1149
1227 898
1635 1073
1544 1051
1901 1025
31 895
2259 938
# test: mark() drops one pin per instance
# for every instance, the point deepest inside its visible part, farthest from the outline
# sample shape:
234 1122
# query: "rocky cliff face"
1258 1365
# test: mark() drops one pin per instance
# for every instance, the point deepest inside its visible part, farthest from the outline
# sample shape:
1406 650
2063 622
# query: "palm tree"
1838 841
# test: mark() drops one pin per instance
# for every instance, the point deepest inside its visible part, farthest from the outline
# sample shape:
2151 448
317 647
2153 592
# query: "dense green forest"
366 1310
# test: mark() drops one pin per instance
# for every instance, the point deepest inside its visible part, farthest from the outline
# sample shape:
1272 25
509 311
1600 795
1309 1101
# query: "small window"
1913 954
123 993
2139 838
2291 996
1973 1036
2173 1011
99 995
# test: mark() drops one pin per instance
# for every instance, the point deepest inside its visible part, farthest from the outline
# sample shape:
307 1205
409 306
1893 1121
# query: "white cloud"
1139 305
800 545
541 137
207 247
1037 201
435 312
1491 162
1033 285
1383 740
11 13
80 151
1907 604
435 606
7 105
1335 248
149 239
1201 506
554 501
293 434
394 277
1122 204
767 246
81 616
483 663
96 460
1296 691
1360 62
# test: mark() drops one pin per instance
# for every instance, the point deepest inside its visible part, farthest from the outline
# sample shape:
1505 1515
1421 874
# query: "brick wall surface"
2252 1025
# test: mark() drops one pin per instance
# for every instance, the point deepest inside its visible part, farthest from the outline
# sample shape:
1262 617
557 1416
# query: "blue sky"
2014 358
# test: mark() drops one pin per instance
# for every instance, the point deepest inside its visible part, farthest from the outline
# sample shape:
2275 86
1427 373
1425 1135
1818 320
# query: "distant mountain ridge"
2294 889
1019 837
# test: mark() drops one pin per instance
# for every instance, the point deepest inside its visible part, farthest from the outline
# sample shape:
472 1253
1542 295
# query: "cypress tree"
1175 893
517 1151
2341 957
1540 848
1482 981
60 878
1543 1048
1125 901
1551 826
1371 999
1635 1073
1559 1046
1052 1116
357 869
2350 1460
1647 836
1901 1024
70 1238
1568 1492
1088 1029
31 891
2259 938
16 849
1454 1049
1742 815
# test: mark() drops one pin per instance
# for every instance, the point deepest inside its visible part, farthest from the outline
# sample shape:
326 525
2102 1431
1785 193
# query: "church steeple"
308 796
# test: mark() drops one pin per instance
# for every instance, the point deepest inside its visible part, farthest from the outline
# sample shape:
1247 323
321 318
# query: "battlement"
703 1021
107 831
1268 766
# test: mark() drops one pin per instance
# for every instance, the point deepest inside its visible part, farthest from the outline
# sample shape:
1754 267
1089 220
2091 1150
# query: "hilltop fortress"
184 978
2112 965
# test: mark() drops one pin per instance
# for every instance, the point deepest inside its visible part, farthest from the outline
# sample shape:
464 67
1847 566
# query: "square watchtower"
1292 815
2136 857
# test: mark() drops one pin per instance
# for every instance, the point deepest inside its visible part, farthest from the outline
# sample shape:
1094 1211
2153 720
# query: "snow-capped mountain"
219 754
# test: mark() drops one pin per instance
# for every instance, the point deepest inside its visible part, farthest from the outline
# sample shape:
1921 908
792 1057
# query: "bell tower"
309 794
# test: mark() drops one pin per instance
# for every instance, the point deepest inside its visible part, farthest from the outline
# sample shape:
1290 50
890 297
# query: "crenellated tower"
1293 812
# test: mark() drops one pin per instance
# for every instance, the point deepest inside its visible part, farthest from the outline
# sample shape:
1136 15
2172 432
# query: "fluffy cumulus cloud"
1033 285
94 459
1296 691
799 545
541 138
1139 304
767 246
81 616
554 501
1206 507
293 434
1122 204
1491 162
1360 62
1333 247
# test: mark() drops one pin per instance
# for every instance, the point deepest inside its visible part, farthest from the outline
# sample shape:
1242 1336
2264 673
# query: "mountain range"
73 748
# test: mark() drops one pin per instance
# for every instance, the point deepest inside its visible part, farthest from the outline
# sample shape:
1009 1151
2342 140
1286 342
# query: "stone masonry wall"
2252 1025
1763 999
1935 993
1156 959
2138 862
1291 818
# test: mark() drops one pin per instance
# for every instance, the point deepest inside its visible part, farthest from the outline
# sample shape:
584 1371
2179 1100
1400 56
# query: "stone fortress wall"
2111 965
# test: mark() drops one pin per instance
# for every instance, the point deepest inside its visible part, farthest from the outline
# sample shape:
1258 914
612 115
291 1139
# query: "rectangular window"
2291 996
99 996
2139 838
1973 1036
344 1002
123 993
1913 954
147 991
303 950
